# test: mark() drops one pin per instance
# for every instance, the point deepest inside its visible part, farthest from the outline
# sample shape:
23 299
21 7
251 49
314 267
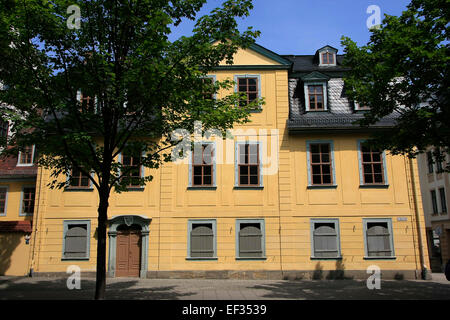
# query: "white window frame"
333 52
236 164
213 159
26 164
3 214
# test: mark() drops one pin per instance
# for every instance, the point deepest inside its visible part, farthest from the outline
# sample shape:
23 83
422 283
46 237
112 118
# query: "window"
325 238
430 162
250 86
250 240
248 164
443 200
434 201
371 165
378 238
327 58
315 96
439 168
3 129
26 156
76 240
78 179
3 200
202 165
208 93
202 239
87 103
28 194
321 165
132 170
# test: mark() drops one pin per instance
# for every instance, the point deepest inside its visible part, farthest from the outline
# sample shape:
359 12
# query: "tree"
404 68
140 86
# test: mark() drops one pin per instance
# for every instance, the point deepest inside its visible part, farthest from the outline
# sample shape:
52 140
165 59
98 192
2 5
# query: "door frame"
115 222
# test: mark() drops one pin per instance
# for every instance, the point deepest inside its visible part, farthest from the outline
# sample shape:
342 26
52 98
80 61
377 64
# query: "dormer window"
26 156
327 58
315 88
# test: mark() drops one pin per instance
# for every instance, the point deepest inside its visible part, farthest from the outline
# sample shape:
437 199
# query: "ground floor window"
76 239
250 239
325 238
378 238
202 239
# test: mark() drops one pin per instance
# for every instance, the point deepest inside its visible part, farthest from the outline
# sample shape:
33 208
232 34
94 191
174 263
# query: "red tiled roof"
9 168
15 226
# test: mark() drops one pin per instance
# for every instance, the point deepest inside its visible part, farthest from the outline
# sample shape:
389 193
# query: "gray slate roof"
308 63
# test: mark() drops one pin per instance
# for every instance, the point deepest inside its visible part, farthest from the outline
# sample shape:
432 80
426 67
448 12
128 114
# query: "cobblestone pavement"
196 289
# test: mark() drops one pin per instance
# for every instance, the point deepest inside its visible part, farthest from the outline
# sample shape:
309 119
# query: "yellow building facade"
276 218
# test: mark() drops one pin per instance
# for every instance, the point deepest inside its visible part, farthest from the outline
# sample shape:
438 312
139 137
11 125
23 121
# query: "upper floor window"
26 156
132 170
443 200
3 200
315 97
327 58
208 93
439 167
320 164
28 194
372 165
78 179
3 128
430 162
434 202
250 86
202 165
248 166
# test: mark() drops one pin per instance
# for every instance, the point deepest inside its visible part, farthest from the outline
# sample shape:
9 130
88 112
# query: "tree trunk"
100 285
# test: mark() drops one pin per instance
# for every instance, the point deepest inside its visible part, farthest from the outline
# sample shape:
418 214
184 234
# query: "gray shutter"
325 240
250 240
378 240
76 241
202 241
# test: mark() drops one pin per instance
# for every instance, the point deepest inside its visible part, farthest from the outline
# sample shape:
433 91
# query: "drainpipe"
424 274
35 222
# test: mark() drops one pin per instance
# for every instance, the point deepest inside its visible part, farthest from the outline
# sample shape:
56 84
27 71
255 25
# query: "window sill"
258 110
250 258
202 188
380 258
201 259
25 215
323 258
331 186
70 189
74 259
248 188
25 165
374 186
312 111
135 188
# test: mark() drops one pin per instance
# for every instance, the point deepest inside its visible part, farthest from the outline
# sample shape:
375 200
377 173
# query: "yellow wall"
14 252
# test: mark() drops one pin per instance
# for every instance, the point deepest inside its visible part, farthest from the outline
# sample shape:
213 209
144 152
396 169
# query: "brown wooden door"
128 253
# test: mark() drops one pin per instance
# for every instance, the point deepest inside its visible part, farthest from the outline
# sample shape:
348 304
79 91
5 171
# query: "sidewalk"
196 289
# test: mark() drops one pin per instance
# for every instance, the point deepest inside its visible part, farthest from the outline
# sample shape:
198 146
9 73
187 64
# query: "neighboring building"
17 194
435 186
324 206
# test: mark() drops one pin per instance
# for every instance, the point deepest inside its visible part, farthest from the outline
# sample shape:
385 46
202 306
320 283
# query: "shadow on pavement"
26 288
353 289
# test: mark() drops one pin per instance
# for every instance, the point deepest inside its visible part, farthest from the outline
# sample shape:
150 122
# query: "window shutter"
378 240
325 240
250 240
76 241
202 241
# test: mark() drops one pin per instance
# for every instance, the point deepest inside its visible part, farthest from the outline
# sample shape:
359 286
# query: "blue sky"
303 26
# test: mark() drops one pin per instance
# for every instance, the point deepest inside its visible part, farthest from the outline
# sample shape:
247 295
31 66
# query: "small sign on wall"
402 219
